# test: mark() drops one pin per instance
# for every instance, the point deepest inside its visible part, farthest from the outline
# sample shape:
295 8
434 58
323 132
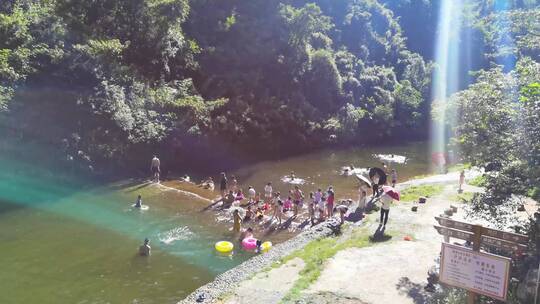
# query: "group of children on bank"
320 204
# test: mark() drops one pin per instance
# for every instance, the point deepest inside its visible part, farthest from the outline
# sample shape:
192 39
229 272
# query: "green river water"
61 244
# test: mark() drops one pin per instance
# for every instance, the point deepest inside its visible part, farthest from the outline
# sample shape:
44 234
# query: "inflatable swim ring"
224 246
249 243
142 207
266 246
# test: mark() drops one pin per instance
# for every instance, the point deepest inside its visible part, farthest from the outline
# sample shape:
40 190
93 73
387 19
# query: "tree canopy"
112 81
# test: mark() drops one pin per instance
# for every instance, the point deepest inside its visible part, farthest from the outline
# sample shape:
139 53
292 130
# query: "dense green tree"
111 81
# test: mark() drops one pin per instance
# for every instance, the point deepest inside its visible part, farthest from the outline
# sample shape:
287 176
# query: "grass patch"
414 192
421 176
459 167
315 254
479 181
462 197
534 193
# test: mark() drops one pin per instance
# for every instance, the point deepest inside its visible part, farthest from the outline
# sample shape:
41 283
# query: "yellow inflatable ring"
224 246
266 246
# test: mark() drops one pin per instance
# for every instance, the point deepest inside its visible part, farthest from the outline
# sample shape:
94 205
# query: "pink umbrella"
393 193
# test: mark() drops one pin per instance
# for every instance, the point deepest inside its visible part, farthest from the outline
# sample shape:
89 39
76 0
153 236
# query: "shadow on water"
6 207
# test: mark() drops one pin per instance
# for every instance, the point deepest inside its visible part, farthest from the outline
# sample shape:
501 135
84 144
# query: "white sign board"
479 272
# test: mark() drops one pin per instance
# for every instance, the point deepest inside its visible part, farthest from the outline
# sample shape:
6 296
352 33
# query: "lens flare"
446 75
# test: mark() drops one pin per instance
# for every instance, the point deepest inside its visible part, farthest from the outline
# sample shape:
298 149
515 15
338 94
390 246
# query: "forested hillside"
112 81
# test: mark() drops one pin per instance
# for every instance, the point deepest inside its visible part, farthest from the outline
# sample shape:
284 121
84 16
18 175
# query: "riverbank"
387 269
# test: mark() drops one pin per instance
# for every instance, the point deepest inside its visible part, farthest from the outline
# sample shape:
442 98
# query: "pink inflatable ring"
249 243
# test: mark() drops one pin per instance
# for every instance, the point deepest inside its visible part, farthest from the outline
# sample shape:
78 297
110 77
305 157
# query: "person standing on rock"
298 196
223 185
317 198
330 201
237 221
154 168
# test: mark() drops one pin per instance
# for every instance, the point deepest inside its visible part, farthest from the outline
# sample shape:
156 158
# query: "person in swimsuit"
287 204
138 203
237 221
249 214
154 168
223 185
228 200
248 233
145 249
311 209
330 201
298 196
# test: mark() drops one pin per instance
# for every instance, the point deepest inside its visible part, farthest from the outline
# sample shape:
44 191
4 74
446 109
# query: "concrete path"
393 272
267 287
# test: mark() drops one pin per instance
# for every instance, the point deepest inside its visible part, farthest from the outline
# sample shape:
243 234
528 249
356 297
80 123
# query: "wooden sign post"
480 236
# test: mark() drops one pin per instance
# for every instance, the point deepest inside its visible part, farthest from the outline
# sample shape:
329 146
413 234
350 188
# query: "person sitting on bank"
228 200
342 208
145 249
249 214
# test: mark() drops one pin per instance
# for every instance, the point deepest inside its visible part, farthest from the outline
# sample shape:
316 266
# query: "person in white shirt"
268 191
251 193
362 198
386 200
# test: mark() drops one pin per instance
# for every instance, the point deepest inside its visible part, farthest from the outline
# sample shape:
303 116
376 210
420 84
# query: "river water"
61 244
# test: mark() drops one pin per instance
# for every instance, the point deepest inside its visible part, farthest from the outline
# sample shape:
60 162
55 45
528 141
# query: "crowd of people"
273 207
277 207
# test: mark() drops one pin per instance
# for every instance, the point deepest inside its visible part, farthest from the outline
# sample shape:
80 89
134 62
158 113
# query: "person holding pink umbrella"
390 194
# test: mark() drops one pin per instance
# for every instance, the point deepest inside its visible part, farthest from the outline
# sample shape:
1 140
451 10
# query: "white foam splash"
348 172
175 234
400 159
294 181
